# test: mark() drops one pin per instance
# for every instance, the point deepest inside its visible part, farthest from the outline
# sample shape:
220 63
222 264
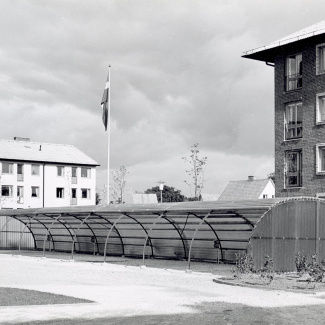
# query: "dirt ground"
163 292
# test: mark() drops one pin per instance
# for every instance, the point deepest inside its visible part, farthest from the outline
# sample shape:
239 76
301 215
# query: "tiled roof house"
34 174
248 189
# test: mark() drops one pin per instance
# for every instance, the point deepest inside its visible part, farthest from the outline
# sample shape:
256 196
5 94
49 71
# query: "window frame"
320 65
320 163
318 113
57 171
20 198
292 174
37 192
60 192
10 191
38 169
293 77
296 126
87 193
88 172
10 168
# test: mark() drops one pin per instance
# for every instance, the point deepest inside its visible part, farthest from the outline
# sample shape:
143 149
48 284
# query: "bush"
301 263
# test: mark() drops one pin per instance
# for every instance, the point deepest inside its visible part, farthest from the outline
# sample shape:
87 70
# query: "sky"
177 78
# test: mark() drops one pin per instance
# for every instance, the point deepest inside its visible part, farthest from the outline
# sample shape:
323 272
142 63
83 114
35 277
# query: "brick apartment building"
299 77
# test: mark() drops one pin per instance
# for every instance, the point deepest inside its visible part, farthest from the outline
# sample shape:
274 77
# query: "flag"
104 103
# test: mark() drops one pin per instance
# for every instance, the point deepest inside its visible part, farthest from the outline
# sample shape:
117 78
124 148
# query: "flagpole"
108 131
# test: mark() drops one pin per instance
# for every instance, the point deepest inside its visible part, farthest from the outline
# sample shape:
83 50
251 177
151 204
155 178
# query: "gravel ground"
124 292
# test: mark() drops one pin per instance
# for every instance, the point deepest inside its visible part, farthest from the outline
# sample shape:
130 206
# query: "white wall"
51 183
269 190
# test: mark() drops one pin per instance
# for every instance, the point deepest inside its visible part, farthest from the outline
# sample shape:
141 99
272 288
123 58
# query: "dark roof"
43 152
268 52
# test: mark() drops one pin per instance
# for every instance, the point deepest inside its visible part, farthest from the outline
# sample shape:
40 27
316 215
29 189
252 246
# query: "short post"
216 245
94 242
49 239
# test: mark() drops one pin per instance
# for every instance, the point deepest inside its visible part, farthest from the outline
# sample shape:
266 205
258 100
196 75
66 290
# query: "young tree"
196 170
119 183
98 198
169 194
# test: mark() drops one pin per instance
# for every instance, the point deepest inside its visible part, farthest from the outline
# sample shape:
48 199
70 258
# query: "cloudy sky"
177 78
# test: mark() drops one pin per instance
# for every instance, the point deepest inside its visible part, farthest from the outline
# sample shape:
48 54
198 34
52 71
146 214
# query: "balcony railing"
73 180
73 201
20 177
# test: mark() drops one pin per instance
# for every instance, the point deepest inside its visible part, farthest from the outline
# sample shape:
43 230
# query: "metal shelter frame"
184 230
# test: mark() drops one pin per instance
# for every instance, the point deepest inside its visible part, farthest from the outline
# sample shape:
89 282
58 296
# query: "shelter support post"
109 233
147 237
75 235
196 230
48 233
23 231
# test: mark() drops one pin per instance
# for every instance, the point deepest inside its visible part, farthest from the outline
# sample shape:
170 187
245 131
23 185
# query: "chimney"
21 139
251 178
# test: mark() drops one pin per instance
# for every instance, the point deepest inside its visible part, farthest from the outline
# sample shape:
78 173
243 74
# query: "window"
60 171
7 168
320 58
60 192
293 121
6 190
293 72
74 171
20 194
20 172
85 172
35 170
320 158
74 175
264 196
320 108
85 193
73 200
293 173
35 191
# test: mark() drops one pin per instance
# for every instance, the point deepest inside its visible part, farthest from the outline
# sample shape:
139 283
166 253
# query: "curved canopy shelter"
185 230
291 226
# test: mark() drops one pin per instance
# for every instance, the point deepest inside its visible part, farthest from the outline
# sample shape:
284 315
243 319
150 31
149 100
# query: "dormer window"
293 72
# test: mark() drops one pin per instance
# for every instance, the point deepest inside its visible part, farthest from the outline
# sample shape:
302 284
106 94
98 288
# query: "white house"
249 189
34 175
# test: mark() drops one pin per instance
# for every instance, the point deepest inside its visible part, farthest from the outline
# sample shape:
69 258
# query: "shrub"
244 264
301 263
267 270
316 271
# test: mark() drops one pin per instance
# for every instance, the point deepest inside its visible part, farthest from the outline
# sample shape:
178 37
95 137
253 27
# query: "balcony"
73 180
73 201
20 177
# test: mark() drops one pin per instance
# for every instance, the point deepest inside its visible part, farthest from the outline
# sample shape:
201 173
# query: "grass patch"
24 297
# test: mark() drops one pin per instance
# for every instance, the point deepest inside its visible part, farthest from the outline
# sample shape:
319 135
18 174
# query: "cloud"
177 78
